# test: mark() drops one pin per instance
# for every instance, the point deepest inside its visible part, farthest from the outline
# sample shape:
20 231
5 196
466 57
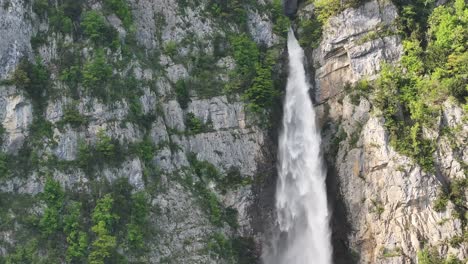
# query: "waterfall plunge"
301 201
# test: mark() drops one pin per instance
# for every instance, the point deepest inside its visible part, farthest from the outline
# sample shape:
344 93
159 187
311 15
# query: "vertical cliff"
399 178
136 131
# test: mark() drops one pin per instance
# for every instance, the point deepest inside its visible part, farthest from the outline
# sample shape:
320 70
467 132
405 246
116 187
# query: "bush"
182 93
122 10
34 80
53 196
262 94
97 30
73 117
103 221
194 124
440 203
310 32
77 239
59 22
40 7
96 74
3 165
104 145
170 48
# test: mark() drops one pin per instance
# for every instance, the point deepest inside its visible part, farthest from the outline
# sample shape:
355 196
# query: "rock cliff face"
388 200
193 147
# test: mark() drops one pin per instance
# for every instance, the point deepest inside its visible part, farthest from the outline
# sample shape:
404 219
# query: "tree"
103 220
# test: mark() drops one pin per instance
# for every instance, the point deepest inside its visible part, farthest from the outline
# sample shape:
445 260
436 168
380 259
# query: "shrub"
77 239
440 203
170 48
60 22
53 196
3 165
194 124
122 10
97 30
34 80
182 93
246 54
40 7
96 73
262 94
104 145
73 117
310 32
103 221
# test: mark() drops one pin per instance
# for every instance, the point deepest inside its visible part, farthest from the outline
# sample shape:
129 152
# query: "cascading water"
301 201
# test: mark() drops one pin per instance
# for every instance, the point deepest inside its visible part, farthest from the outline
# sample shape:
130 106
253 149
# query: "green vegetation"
310 32
77 238
73 117
409 95
122 10
182 93
196 125
34 80
170 48
96 74
240 250
53 197
431 256
104 144
206 173
97 30
324 9
104 243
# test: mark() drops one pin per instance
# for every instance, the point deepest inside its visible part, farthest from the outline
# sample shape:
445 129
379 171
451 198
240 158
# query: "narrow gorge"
175 131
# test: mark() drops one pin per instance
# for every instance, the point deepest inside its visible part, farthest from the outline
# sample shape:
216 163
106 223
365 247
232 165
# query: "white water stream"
301 200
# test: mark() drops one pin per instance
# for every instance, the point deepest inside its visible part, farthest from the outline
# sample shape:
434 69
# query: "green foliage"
240 250
182 93
103 219
25 254
310 32
281 22
431 256
246 54
326 8
122 10
170 48
138 221
77 239
84 155
59 22
195 125
34 80
97 30
145 150
73 117
96 74
440 203
104 145
262 94
53 196
408 95
4 170
232 10
40 7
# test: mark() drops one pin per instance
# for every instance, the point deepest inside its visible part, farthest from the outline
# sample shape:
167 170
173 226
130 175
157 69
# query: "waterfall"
301 201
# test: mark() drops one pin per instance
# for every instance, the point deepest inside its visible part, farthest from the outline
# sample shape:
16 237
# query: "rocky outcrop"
388 199
354 45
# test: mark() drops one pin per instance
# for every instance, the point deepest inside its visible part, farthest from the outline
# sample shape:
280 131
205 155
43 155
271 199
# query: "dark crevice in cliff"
339 223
